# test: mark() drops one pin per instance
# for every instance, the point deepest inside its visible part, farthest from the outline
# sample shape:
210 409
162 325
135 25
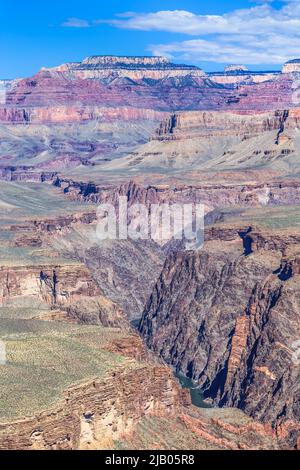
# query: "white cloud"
75 23
260 34
259 19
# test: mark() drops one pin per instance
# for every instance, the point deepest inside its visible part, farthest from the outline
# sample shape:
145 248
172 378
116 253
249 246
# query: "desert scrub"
45 358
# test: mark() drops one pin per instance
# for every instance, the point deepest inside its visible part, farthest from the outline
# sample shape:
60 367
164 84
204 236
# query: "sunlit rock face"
81 91
291 66
108 60
236 68
134 68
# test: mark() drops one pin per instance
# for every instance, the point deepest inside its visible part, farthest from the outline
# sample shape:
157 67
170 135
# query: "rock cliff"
69 289
128 68
211 195
292 66
145 83
96 413
228 317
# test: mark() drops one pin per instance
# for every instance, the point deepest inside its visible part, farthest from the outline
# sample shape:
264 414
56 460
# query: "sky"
261 34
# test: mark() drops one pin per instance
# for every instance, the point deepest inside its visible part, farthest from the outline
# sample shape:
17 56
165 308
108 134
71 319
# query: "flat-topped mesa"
291 66
132 67
240 74
139 61
236 69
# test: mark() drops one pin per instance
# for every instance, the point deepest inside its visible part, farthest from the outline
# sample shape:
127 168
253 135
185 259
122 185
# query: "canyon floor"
77 374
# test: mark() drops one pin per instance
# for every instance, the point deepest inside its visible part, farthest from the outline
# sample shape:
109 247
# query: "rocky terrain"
219 141
240 295
77 375
86 89
122 70
122 399
292 66
99 117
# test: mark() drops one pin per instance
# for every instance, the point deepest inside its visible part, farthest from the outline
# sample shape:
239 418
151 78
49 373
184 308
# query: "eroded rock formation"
229 318
95 414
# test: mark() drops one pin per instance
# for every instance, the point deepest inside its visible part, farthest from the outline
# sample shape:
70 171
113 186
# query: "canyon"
78 373
241 354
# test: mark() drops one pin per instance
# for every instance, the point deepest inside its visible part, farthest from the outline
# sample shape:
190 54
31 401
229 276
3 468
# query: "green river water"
196 394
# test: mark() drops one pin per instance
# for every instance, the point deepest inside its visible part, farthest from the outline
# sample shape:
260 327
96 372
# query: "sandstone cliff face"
211 195
228 316
236 77
72 91
69 288
121 61
203 124
292 66
94 414
219 140
112 68
76 113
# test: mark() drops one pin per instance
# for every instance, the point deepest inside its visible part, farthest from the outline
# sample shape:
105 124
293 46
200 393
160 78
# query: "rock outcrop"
76 113
228 317
94 414
216 124
68 288
204 429
236 75
292 66
236 68
211 195
152 84
113 68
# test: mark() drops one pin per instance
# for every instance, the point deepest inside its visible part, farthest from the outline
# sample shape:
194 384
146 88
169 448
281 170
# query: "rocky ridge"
239 294
139 83
128 68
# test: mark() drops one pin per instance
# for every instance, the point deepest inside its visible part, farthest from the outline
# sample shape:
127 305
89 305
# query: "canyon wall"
228 316
94 414
72 114
215 124
87 87
211 195
129 68
69 289
292 66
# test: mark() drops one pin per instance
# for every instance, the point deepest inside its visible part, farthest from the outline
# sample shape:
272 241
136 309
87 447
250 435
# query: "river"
196 394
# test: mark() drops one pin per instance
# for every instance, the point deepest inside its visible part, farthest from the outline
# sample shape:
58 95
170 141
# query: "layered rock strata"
228 316
69 288
212 195
130 68
96 413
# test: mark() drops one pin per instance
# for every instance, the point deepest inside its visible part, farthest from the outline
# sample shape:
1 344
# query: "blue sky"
261 34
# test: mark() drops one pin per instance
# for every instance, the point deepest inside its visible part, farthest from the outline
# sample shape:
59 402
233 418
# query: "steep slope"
75 375
228 316
90 89
219 141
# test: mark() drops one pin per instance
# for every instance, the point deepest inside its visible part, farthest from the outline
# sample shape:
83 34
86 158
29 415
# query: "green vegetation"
163 433
28 200
270 217
44 358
